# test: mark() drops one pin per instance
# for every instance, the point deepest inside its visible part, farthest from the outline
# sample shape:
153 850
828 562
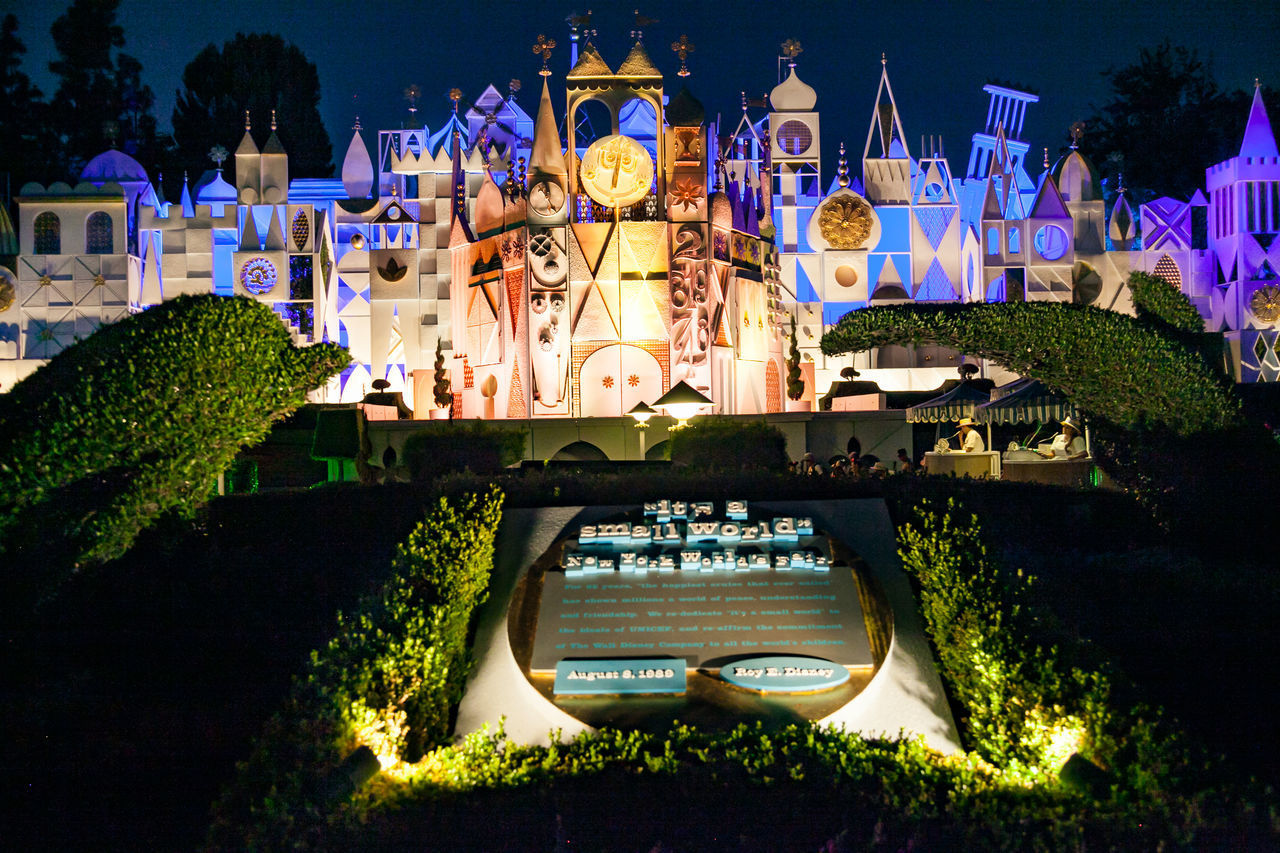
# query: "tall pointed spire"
886 124
1259 141
546 156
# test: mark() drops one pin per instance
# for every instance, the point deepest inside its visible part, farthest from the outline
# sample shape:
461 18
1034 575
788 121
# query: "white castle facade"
579 272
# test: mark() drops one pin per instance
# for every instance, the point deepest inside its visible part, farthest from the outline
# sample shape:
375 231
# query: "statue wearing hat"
970 439
1067 444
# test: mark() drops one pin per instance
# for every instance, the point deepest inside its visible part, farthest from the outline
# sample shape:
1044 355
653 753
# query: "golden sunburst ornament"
1265 303
845 222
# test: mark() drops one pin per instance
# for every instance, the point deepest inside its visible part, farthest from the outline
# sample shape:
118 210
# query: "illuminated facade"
582 264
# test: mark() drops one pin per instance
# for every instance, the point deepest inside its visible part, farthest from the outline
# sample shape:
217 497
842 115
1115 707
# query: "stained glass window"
48 230
794 137
97 234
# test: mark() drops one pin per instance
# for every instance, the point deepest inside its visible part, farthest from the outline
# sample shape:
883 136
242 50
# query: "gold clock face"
1265 303
546 198
616 171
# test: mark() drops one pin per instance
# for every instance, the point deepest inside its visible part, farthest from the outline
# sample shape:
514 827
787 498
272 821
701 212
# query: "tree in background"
24 152
1166 122
101 99
256 72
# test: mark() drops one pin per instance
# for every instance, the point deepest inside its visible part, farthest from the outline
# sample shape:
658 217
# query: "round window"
1051 242
794 137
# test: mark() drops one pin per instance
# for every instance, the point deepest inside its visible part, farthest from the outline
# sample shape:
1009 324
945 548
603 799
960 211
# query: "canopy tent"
1024 401
955 404
951 406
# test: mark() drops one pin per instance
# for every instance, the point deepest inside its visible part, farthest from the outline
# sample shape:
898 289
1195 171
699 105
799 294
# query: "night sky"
939 54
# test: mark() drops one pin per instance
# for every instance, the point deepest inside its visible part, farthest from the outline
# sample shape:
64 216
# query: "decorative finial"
1257 84
411 94
356 127
791 49
273 120
513 86
522 174
246 121
217 154
184 177
1046 158
510 186
641 23
1077 132
455 95
883 60
544 46
1120 183
744 100
682 49
843 168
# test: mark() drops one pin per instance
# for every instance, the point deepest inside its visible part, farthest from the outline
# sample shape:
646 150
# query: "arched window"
48 230
97 234
1015 241
993 241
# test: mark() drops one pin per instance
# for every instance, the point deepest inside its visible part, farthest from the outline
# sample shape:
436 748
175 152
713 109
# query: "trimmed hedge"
1114 366
1157 300
389 680
472 445
138 420
721 443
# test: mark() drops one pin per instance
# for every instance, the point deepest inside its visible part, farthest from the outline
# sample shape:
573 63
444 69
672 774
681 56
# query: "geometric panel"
936 284
933 222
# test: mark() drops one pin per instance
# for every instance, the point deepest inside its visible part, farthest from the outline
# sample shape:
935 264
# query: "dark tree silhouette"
101 99
258 72
25 154
1166 122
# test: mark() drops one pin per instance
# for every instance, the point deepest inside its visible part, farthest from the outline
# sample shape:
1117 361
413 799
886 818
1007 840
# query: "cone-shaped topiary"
795 383
440 390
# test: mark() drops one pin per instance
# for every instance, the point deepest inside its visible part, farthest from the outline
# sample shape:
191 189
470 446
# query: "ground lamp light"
641 413
682 402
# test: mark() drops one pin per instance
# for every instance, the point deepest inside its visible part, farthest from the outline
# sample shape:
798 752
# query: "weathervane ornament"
682 49
641 23
1077 132
455 95
791 49
544 46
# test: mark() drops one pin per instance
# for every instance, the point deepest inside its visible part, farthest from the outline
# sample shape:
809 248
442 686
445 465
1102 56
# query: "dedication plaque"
702 588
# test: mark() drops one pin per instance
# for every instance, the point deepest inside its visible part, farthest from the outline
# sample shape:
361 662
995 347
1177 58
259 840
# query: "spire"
546 155
357 168
886 124
188 207
1259 141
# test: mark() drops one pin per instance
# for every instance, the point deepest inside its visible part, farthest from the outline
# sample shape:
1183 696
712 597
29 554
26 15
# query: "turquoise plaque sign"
784 674
610 676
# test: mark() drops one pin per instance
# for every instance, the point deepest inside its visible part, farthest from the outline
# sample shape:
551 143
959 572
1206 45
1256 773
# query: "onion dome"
114 167
213 189
684 110
1077 178
793 95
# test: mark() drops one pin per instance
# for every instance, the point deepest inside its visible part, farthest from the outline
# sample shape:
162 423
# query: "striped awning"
959 402
1025 401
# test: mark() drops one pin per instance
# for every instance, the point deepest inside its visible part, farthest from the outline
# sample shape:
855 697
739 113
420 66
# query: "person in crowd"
879 471
905 465
1067 444
970 439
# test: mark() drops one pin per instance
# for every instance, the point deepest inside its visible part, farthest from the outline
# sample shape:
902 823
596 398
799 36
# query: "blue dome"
114 166
215 190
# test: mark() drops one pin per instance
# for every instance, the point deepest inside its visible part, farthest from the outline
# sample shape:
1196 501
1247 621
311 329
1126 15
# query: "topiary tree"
136 421
795 383
440 390
1112 365
1158 301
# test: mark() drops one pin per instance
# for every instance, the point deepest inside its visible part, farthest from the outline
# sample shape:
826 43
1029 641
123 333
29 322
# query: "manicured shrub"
1156 300
1113 366
390 680
726 444
449 446
138 420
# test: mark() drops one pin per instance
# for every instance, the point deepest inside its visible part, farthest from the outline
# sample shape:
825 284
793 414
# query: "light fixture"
682 402
641 413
